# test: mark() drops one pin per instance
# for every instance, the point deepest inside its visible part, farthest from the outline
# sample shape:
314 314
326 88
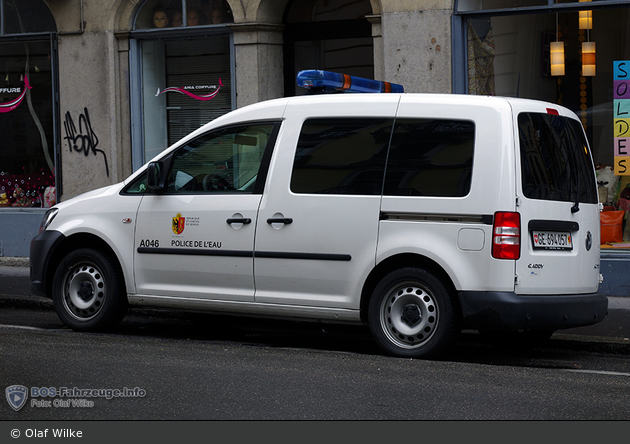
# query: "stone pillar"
377 41
258 57
417 49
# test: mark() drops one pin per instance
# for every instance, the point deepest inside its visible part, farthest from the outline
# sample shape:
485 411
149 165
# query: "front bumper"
41 250
506 310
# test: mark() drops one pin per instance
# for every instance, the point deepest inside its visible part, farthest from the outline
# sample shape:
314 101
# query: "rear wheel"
88 291
412 314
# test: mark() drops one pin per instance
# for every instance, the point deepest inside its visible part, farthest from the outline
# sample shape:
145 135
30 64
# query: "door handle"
239 220
279 220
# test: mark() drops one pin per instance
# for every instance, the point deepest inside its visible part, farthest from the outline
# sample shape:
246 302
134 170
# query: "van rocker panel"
487 310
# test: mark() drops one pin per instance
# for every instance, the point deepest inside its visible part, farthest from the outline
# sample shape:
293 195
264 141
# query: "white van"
420 215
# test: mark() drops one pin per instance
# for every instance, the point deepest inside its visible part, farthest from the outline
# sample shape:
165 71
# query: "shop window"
27 149
161 14
332 35
25 16
186 84
509 54
185 71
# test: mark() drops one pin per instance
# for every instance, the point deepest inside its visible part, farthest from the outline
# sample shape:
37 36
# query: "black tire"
88 291
412 314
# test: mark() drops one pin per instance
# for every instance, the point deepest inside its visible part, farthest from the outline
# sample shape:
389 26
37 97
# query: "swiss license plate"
552 240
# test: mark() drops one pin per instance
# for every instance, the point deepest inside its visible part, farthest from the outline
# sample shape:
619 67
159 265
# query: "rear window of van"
556 163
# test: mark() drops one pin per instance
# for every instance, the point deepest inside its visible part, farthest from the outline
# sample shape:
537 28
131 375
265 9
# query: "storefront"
564 52
28 113
182 71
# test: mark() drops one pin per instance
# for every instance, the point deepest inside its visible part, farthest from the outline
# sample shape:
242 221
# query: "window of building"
430 157
184 73
164 14
333 35
506 49
341 156
27 107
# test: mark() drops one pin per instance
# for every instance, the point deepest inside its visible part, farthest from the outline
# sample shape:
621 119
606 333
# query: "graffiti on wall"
84 139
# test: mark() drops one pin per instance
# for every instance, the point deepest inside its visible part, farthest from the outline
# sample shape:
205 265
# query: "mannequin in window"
217 17
178 20
193 17
160 19
216 11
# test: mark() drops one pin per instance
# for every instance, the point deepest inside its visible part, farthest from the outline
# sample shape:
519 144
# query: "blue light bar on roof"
325 81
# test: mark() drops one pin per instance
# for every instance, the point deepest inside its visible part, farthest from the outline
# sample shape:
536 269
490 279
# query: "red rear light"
506 236
553 111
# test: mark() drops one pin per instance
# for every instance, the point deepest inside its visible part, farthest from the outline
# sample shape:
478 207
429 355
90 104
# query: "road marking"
599 372
23 327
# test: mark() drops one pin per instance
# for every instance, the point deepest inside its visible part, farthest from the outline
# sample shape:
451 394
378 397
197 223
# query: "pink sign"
10 106
186 91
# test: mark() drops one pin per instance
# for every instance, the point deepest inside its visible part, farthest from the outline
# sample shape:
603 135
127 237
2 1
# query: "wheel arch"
401 261
73 242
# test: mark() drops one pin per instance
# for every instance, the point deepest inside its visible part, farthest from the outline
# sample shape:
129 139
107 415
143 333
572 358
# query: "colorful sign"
621 117
10 106
186 90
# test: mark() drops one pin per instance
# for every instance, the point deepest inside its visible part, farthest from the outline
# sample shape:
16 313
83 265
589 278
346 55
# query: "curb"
15 261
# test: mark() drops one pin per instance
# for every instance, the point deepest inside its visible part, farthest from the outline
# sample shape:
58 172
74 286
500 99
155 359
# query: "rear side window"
341 156
555 159
430 157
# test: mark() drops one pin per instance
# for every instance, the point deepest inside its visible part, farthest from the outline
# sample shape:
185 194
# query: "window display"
566 57
163 14
26 124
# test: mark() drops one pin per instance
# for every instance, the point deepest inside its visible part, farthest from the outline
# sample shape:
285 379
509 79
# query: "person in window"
160 19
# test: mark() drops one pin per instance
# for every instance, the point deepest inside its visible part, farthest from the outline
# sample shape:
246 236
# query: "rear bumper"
506 310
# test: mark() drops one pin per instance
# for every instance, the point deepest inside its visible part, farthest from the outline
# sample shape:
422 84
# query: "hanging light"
557 58
556 50
586 18
588 58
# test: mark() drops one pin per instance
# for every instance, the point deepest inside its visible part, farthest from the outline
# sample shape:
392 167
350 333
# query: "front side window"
341 156
430 157
555 160
225 160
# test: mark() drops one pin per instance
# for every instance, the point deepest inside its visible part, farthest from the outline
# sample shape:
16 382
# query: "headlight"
48 218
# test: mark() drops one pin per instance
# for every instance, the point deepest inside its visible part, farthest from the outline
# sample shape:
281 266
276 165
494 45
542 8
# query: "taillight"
506 236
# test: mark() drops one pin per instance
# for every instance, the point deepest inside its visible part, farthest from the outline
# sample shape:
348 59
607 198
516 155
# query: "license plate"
552 240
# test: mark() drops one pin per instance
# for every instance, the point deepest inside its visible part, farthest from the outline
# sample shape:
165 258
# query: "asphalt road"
224 368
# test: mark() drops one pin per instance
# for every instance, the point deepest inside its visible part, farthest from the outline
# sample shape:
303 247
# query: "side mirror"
156 176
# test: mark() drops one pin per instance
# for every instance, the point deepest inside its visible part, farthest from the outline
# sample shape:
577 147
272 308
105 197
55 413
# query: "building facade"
91 90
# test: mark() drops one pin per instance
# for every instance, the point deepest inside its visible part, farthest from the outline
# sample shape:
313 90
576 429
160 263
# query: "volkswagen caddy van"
417 214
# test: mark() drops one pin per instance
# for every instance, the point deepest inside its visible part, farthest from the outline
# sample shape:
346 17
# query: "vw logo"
589 240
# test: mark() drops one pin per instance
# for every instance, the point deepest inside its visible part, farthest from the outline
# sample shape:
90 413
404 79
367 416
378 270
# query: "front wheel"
412 314
88 291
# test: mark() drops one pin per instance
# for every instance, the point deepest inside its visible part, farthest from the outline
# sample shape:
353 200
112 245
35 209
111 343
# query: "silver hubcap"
409 315
84 291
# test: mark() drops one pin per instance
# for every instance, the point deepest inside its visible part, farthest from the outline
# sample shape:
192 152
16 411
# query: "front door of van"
196 238
318 222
